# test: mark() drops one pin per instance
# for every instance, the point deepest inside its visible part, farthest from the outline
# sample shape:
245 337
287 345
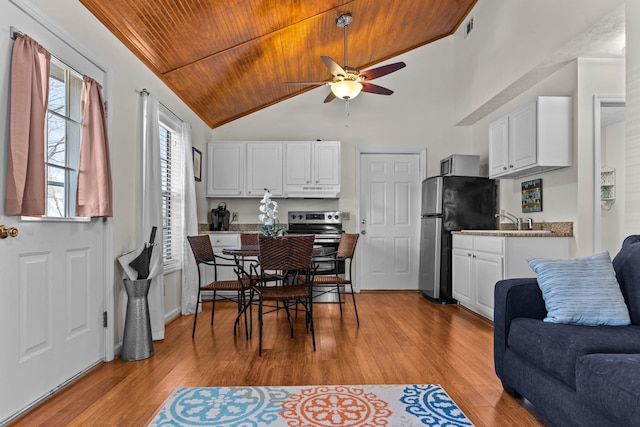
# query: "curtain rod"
146 92
14 35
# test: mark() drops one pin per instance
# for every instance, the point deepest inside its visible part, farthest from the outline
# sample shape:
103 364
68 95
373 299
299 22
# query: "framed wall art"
197 164
532 196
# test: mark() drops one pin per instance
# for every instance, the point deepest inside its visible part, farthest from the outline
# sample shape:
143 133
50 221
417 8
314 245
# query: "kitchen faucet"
517 221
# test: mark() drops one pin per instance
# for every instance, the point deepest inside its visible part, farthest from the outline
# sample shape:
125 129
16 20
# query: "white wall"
418 115
510 39
632 151
128 75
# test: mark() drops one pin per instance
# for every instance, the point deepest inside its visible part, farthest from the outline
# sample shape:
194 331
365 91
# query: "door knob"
363 232
7 232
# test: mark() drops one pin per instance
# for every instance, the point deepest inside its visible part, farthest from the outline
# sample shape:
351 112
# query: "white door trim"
598 102
359 152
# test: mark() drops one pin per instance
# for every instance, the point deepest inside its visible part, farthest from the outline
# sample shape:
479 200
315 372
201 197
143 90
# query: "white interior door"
389 221
51 300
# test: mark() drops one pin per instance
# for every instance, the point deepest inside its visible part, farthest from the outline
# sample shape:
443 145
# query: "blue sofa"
573 375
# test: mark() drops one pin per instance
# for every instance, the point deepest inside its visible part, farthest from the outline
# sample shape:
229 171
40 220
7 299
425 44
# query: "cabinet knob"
511 166
504 168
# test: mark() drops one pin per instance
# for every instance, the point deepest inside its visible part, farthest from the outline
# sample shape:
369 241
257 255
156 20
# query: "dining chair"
204 255
248 239
331 283
290 257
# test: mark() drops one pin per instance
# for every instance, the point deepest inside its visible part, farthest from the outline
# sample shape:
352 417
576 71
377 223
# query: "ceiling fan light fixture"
346 89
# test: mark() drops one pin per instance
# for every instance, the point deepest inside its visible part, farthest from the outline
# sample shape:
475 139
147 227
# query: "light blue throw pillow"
583 291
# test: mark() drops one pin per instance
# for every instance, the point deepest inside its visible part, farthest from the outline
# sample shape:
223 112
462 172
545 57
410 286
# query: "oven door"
329 246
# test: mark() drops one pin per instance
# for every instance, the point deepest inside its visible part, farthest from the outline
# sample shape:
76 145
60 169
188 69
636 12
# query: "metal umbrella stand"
137 342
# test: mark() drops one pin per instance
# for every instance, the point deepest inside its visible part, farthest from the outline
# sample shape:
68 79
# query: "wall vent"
468 26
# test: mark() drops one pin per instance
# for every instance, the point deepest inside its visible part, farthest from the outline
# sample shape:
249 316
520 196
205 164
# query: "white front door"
51 303
389 221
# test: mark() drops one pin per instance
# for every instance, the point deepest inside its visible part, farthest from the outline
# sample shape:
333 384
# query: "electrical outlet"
234 216
346 216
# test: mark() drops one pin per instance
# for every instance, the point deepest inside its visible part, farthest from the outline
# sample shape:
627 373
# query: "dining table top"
254 250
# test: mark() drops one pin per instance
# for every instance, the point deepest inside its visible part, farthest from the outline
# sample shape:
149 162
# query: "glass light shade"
346 89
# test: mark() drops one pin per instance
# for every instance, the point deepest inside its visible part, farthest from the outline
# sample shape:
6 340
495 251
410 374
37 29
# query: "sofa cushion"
581 290
555 347
611 383
627 267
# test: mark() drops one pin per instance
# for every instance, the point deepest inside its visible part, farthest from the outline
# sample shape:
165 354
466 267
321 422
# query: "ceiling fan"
348 82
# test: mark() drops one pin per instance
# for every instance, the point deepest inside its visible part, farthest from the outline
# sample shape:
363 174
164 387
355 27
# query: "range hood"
312 191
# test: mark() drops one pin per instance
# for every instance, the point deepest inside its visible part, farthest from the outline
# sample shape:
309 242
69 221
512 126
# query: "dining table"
254 251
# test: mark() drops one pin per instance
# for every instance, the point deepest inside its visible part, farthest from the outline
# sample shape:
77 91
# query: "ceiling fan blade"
333 66
374 73
305 83
371 88
329 97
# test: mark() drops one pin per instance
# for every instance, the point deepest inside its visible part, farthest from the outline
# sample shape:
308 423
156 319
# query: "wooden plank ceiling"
227 59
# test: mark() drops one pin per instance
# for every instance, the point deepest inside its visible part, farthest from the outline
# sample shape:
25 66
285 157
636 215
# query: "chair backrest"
286 252
249 239
347 246
201 247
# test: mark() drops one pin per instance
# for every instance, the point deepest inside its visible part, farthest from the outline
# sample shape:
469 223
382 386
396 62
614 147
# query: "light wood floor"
402 338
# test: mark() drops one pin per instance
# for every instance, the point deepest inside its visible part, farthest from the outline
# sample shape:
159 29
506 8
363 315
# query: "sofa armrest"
513 298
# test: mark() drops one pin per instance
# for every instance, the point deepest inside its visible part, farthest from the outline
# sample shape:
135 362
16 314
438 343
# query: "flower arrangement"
269 216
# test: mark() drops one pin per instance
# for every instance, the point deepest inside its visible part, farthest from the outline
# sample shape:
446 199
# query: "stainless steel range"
327 229
325 226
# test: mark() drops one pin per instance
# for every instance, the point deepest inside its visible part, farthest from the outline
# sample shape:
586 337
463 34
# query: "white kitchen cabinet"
312 169
478 262
225 169
264 168
288 169
534 138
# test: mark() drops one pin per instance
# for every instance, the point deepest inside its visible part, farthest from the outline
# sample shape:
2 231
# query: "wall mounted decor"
197 163
532 196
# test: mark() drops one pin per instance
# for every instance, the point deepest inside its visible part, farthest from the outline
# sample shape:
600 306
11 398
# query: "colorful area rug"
307 406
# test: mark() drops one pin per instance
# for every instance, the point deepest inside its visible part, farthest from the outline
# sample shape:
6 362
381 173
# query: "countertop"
233 229
543 229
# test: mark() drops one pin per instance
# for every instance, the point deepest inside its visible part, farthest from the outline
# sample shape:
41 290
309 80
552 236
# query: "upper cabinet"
264 168
288 169
225 169
535 138
312 169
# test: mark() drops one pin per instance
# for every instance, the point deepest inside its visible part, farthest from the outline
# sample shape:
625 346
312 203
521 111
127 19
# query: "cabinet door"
264 168
488 270
522 137
298 163
225 169
326 163
499 147
462 289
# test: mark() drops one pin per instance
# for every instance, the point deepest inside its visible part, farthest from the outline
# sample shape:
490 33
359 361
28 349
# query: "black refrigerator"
450 203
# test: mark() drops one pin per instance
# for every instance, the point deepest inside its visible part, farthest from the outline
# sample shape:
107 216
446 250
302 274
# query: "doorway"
609 172
389 220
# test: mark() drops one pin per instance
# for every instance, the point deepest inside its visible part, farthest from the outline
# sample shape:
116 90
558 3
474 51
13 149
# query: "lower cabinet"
219 242
478 262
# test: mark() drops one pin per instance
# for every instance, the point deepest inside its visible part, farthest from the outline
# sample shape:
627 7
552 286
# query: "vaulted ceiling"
227 59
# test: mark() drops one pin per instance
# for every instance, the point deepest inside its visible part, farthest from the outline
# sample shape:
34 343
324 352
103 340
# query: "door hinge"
105 319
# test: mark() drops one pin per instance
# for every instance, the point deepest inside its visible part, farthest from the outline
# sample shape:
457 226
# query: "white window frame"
174 173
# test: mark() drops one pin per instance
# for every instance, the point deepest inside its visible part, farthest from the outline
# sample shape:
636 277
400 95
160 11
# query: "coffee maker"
219 218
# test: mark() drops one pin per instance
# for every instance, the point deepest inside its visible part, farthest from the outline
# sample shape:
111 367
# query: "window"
171 160
63 140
